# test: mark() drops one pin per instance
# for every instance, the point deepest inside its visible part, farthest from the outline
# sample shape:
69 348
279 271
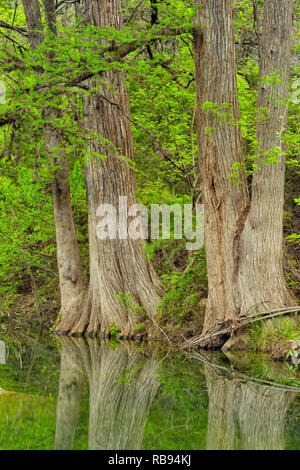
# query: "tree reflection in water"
123 384
242 413
245 415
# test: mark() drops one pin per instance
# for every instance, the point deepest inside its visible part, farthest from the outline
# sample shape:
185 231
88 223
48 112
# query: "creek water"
63 393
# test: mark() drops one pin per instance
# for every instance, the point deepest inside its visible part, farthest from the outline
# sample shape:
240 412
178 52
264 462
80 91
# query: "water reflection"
245 415
72 377
122 383
102 396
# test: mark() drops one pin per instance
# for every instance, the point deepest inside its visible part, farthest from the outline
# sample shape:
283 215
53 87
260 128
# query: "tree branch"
8 118
22 31
122 50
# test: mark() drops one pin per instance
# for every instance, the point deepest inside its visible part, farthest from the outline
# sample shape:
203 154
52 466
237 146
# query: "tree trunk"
34 22
244 416
261 279
68 259
117 267
225 206
243 242
71 281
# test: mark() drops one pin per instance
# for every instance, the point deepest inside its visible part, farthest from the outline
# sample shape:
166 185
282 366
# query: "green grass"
26 421
264 335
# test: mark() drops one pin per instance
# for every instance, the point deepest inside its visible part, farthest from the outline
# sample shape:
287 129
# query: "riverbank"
277 338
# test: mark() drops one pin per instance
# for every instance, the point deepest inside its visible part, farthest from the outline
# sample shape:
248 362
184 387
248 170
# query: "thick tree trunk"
117 267
71 281
69 265
122 388
261 280
244 416
243 244
220 147
34 22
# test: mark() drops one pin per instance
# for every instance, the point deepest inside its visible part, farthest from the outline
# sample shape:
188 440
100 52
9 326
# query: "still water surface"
76 394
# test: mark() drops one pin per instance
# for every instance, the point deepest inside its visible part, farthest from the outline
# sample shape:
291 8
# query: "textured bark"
225 206
69 265
34 22
116 266
244 416
243 243
261 280
71 281
122 384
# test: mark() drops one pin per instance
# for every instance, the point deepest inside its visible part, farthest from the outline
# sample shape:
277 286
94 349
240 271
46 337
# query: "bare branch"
8 118
22 31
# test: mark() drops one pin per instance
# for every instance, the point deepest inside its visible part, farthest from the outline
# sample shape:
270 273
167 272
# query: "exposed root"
86 324
218 334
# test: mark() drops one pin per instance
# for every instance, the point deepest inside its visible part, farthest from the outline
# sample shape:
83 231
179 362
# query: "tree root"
218 334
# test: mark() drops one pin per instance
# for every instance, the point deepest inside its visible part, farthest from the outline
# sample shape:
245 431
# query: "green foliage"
130 305
160 75
114 331
264 335
185 286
